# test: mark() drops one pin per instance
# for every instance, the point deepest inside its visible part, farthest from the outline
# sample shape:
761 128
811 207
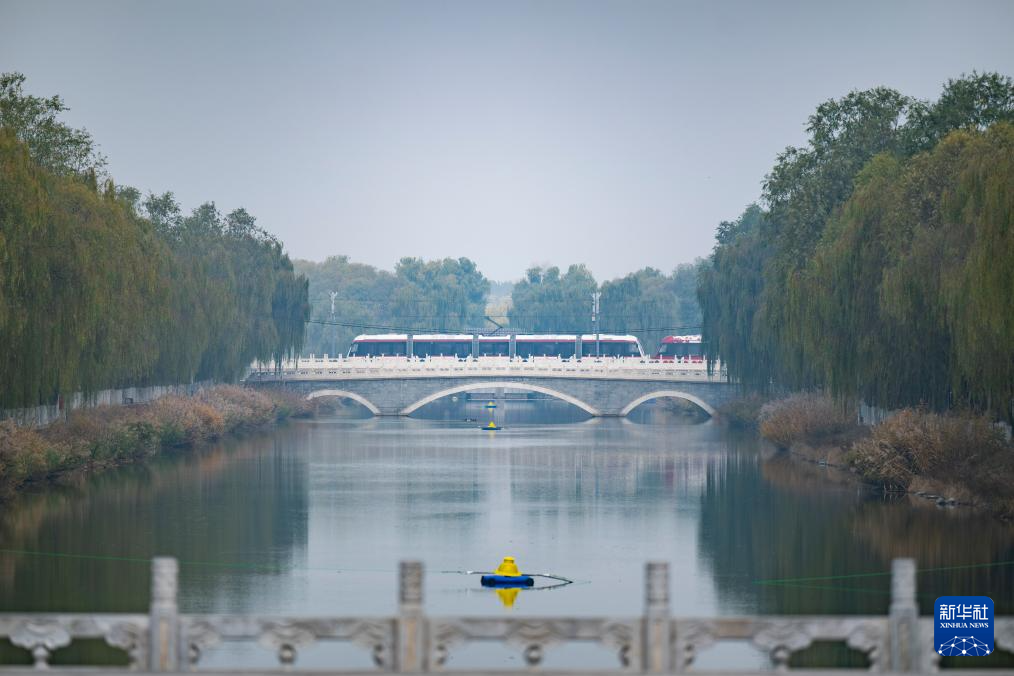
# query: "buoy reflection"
508 596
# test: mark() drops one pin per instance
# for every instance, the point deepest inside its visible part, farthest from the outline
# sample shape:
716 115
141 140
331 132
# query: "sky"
615 134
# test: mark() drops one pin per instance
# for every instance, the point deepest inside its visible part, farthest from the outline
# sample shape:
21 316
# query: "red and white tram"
515 346
683 349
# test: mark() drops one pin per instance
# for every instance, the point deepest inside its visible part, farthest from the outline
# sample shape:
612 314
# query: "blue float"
507 575
507 581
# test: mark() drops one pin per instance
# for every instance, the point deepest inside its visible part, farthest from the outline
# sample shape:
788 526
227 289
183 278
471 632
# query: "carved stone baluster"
132 639
410 618
286 639
375 637
869 639
780 638
689 639
41 638
620 637
904 616
657 634
164 622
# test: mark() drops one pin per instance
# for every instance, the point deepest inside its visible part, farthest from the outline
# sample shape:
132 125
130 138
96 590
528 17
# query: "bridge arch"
675 394
345 395
494 384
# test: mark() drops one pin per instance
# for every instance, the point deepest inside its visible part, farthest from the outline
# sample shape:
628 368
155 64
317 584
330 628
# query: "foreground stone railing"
168 641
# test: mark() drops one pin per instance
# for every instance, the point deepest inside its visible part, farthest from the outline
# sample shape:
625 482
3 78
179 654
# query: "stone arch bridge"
389 387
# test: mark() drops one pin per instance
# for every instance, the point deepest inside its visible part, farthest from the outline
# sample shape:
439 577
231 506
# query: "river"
312 518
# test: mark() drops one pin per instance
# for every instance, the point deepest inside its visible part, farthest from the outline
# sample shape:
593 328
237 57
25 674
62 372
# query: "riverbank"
94 439
950 459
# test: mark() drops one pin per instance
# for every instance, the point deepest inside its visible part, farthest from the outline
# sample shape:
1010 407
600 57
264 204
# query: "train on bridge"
683 349
523 346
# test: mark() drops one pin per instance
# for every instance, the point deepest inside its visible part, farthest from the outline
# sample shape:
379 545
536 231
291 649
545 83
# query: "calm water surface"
312 518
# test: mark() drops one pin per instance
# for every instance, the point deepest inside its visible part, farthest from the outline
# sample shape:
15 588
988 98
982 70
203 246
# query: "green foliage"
650 304
976 102
100 291
547 302
52 144
421 296
729 291
877 273
451 295
647 303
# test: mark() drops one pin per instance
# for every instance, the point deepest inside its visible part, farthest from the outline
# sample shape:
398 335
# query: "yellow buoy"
508 567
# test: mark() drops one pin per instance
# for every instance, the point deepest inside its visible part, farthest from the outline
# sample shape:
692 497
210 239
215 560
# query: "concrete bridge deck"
398 386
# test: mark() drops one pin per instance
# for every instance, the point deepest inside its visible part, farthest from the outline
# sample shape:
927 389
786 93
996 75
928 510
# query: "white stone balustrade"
166 640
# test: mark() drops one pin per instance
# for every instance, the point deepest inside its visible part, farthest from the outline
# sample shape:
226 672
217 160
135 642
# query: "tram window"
554 348
610 349
377 349
680 350
494 348
441 348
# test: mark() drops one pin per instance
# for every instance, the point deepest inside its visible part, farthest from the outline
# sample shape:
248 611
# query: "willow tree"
101 290
79 287
730 285
882 268
958 269
802 191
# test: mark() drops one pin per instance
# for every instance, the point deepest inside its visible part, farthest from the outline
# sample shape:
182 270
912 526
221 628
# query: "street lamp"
334 327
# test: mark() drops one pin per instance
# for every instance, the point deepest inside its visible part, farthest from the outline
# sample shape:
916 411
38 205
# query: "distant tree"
420 296
51 143
547 302
974 101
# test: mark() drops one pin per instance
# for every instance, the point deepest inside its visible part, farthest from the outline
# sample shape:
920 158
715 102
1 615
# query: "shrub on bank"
743 412
110 435
23 454
806 417
240 407
965 451
184 420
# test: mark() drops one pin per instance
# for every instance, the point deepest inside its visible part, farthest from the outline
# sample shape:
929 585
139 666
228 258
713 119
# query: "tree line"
452 295
101 288
880 265
437 296
648 303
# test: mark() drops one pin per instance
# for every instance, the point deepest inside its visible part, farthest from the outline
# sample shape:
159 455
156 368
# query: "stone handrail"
391 367
166 640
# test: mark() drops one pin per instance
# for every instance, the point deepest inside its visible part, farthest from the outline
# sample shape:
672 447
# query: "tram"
523 346
682 349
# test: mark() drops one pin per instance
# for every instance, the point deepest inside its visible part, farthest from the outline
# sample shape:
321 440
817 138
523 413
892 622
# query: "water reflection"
312 519
508 596
206 508
783 536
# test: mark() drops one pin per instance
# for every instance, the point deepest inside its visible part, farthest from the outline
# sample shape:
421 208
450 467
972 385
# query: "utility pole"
334 327
595 320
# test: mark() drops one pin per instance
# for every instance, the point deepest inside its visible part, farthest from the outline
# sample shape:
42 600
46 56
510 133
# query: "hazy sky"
612 133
